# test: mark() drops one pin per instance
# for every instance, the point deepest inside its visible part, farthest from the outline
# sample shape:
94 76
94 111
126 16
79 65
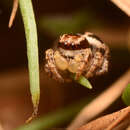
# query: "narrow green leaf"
32 50
83 81
126 95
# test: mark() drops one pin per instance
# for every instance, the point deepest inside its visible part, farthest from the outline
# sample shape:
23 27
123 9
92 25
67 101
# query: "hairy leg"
84 62
104 67
50 66
95 63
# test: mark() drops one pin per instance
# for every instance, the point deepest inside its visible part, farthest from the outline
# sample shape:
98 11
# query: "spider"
80 54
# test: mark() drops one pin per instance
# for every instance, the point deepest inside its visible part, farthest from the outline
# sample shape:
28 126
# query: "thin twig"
101 102
124 5
13 13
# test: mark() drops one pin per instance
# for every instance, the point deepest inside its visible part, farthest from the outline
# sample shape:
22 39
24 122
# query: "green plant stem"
32 50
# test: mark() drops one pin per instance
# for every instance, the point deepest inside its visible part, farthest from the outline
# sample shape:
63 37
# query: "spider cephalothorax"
82 54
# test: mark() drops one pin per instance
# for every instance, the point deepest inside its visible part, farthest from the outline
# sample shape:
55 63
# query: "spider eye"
74 46
84 44
62 44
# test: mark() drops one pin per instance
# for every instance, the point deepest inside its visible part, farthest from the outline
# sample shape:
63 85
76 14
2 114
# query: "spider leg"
95 63
50 66
99 62
84 62
104 67
80 70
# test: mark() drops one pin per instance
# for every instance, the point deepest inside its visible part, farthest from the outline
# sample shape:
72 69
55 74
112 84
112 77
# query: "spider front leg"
50 66
80 70
104 67
84 61
95 64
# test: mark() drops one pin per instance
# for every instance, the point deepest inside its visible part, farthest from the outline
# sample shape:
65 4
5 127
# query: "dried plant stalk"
13 13
123 5
115 121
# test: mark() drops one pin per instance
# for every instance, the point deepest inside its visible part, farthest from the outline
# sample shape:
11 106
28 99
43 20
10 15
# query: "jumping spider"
81 54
